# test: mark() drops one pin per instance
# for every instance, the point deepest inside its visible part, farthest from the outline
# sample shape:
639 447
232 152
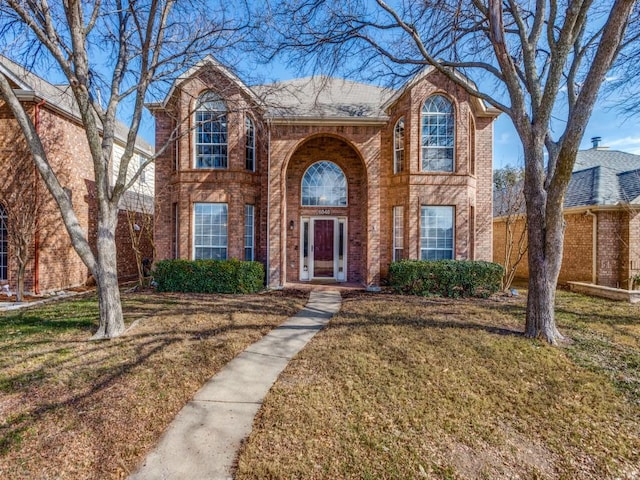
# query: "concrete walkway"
203 440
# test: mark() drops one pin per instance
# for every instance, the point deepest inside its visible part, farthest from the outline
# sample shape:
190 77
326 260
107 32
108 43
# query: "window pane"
398 147
250 144
436 233
324 184
249 237
211 132
437 134
210 231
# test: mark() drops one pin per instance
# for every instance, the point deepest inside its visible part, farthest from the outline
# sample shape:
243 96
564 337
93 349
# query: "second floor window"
211 132
250 150
437 135
398 146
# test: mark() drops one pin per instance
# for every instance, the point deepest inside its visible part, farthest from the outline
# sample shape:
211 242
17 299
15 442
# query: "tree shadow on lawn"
75 370
434 313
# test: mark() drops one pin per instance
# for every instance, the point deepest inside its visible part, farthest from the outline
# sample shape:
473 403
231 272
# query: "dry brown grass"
74 409
400 387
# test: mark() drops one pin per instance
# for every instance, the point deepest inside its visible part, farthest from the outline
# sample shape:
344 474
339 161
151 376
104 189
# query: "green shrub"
446 278
209 276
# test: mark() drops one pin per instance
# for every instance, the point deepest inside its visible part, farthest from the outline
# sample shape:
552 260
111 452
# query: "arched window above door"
324 184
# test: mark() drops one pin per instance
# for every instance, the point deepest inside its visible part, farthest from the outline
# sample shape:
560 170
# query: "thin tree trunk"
111 318
20 284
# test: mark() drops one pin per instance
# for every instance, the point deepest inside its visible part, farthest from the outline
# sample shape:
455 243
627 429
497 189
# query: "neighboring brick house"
321 178
602 218
54 264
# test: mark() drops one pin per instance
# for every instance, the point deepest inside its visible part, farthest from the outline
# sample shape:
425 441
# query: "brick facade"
56 265
288 145
617 248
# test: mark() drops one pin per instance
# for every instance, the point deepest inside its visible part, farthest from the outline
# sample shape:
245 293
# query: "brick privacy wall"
67 151
187 185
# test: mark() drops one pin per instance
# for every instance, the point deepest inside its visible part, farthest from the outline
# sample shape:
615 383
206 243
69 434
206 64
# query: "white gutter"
594 246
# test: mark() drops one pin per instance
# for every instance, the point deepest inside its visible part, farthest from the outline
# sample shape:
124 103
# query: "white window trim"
346 186
398 211
193 230
249 122
454 115
195 134
398 148
252 244
453 229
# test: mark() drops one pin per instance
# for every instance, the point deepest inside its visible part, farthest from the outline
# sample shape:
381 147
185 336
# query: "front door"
323 252
323 248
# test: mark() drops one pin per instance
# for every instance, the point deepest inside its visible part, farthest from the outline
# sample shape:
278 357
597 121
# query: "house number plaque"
324 211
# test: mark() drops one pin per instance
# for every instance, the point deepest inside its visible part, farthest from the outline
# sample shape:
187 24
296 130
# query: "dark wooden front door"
323 250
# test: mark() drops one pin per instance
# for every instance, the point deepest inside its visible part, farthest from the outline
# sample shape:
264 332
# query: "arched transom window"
324 184
437 135
211 132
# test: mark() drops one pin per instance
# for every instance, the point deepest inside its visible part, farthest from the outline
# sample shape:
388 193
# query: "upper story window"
437 135
250 147
211 132
398 146
324 183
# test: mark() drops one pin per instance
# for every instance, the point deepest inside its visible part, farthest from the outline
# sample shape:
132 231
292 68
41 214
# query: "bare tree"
508 199
534 61
114 55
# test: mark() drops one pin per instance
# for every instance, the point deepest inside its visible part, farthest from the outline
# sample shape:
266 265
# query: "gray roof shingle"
323 97
604 177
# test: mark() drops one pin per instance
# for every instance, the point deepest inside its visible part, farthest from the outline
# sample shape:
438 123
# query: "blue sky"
619 131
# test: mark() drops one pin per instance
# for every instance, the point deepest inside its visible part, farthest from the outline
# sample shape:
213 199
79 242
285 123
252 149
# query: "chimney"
596 142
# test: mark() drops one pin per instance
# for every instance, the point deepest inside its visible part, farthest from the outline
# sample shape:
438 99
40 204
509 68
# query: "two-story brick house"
322 178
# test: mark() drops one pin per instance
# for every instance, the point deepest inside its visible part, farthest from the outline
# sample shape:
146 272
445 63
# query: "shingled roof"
323 97
601 177
58 97
604 177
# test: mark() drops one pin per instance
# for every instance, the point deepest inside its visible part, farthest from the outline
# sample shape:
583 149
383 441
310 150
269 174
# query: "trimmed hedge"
209 276
446 278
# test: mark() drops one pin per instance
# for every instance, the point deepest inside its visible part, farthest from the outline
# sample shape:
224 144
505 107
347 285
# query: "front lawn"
406 387
75 409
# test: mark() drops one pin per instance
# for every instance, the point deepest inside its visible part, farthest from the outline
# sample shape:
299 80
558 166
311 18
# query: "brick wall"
618 251
67 151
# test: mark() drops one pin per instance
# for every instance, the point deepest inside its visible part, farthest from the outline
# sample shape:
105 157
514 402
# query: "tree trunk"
545 235
20 283
106 275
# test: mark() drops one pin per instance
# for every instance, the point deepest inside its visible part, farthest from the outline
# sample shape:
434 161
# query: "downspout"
268 202
594 246
36 240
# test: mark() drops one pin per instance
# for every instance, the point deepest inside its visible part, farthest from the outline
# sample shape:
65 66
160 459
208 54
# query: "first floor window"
398 233
436 233
249 232
210 231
